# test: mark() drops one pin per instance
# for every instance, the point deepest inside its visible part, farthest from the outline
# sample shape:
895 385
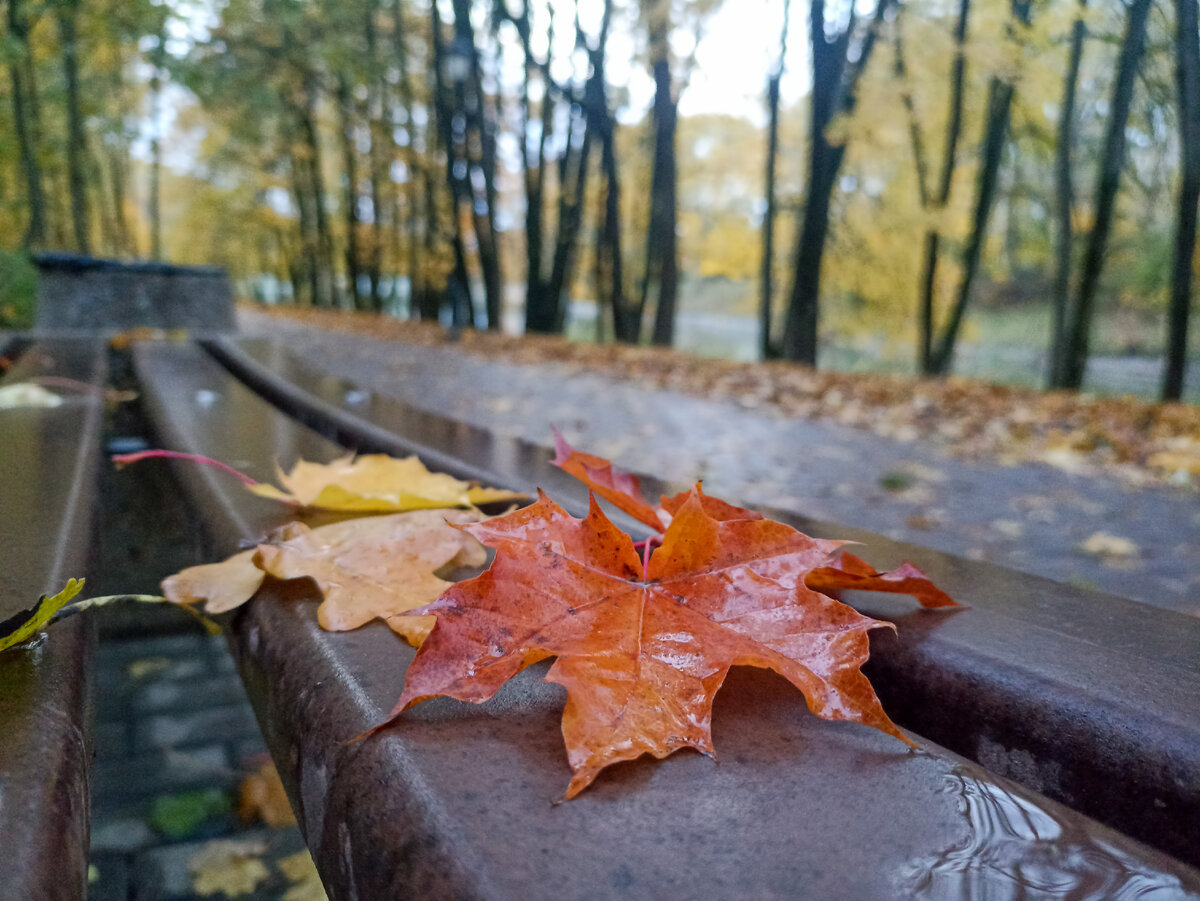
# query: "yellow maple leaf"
376 483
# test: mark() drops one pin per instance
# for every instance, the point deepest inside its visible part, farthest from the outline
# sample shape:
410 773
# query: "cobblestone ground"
174 738
1031 517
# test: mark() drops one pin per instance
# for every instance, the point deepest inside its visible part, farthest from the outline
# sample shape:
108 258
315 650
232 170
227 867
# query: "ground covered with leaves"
1136 441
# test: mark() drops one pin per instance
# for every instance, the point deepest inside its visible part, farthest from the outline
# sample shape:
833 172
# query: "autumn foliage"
644 641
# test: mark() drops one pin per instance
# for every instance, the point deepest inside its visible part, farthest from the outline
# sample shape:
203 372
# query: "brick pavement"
174 737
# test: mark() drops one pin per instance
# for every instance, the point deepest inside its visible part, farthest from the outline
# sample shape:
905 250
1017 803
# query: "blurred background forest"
998 187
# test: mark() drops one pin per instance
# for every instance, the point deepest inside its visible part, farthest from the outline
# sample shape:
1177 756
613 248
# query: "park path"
1089 530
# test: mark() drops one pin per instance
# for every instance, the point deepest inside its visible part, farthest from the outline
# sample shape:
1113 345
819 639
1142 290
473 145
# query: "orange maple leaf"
642 648
622 489
844 570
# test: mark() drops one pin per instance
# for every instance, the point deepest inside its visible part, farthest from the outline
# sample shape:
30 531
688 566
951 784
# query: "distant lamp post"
456 64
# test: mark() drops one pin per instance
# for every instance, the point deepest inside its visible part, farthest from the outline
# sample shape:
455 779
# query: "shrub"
18 287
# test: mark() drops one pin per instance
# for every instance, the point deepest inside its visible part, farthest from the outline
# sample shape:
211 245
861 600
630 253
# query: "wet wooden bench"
1085 698
48 459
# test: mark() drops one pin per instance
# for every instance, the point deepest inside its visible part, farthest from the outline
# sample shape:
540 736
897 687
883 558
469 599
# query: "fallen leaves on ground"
642 644
26 394
230 866
301 872
366 568
1102 544
261 798
1137 441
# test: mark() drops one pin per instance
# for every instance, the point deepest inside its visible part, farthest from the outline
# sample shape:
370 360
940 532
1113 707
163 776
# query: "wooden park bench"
48 459
1090 705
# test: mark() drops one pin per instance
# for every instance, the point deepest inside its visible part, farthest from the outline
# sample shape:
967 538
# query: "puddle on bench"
1019 851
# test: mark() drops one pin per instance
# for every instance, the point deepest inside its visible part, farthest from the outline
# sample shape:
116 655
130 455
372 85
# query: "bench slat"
47 482
455 801
1055 686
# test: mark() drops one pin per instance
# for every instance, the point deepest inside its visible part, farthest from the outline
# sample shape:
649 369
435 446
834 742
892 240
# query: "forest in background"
464 158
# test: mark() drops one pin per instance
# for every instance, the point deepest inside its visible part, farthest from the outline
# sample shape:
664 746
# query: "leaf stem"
647 545
88 603
125 459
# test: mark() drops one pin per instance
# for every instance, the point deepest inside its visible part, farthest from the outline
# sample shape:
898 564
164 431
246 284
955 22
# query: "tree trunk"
627 318
835 80
458 287
326 293
949 154
574 191
305 280
662 245
68 15
1079 321
374 115
423 302
473 106
767 349
1064 200
1187 77
999 108
539 312
610 270
157 60
345 104
118 165
23 111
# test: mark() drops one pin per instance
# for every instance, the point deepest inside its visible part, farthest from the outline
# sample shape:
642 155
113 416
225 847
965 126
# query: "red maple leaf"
643 646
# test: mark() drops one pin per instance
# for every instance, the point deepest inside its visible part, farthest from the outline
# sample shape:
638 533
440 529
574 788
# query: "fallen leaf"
372 483
1101 544
376 483
147 666
219 586
621 489
301 872
180 815
26 394
261 797
369 567
642 653
376 568
24 624
228 866
1180 456
851 572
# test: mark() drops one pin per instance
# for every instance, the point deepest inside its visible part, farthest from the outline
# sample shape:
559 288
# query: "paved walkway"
1144 542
